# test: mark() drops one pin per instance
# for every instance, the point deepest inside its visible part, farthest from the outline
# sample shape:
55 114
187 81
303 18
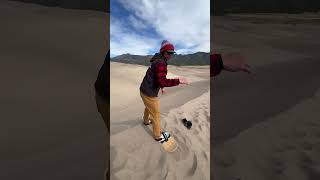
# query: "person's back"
149 86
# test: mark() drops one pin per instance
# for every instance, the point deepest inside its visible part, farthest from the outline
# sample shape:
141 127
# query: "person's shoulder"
157 59
160 62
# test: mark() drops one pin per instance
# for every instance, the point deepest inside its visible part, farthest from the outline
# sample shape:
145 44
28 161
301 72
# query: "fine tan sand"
50 128
265 125
134 153
285 146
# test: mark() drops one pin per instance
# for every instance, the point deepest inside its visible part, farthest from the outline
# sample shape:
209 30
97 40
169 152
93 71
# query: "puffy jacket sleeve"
216 64
161 79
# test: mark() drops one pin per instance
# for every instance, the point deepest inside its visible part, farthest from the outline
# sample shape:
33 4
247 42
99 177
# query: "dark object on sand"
186 123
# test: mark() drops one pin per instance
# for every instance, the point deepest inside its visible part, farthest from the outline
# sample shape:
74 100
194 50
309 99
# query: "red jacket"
156 77
216 64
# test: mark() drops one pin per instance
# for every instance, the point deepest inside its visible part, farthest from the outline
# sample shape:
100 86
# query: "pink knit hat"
166 46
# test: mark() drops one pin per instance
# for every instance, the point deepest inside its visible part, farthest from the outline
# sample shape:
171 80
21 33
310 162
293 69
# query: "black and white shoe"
164 137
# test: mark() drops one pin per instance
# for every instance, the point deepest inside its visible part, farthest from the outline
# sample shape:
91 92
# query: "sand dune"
126 79
265 124
134 153
50 128
283 147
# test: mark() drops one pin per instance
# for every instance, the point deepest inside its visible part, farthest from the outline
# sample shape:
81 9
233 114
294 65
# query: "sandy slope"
134 153
125 81
283 147
50 128
265 123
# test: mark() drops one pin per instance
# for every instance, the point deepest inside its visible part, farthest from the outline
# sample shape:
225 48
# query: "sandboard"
170 145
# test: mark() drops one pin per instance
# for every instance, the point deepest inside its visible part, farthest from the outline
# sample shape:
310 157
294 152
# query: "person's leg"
156 118
146 116
153 107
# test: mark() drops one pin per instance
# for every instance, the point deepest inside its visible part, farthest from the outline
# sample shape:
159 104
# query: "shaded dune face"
51 69
99 5
275 104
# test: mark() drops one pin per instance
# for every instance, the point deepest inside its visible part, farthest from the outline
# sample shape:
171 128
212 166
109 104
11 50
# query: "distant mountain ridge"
196 59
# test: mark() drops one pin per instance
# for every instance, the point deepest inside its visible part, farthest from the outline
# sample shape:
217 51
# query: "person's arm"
161 79
216 64
232 62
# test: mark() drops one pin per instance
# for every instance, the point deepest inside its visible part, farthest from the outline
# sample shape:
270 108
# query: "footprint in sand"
196 132
196 120
183 149
194 165
176 132
205 155
200 127
176 121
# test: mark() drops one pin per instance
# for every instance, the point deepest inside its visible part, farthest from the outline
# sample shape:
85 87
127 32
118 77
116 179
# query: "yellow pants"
152 108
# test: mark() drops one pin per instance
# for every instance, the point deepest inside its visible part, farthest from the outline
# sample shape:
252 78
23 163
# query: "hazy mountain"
196 59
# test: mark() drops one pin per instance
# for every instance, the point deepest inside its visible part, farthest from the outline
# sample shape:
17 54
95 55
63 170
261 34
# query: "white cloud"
124 40
184 51
183 22
136 23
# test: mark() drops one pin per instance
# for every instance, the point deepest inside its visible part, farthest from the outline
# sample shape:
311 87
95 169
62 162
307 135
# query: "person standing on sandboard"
154 80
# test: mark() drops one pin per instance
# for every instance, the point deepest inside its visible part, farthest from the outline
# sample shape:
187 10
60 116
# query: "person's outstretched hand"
235 62
183 81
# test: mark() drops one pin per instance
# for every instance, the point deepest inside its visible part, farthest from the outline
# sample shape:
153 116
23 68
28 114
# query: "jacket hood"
157 57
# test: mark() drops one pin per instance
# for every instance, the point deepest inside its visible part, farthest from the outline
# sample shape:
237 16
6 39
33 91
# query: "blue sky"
139 26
